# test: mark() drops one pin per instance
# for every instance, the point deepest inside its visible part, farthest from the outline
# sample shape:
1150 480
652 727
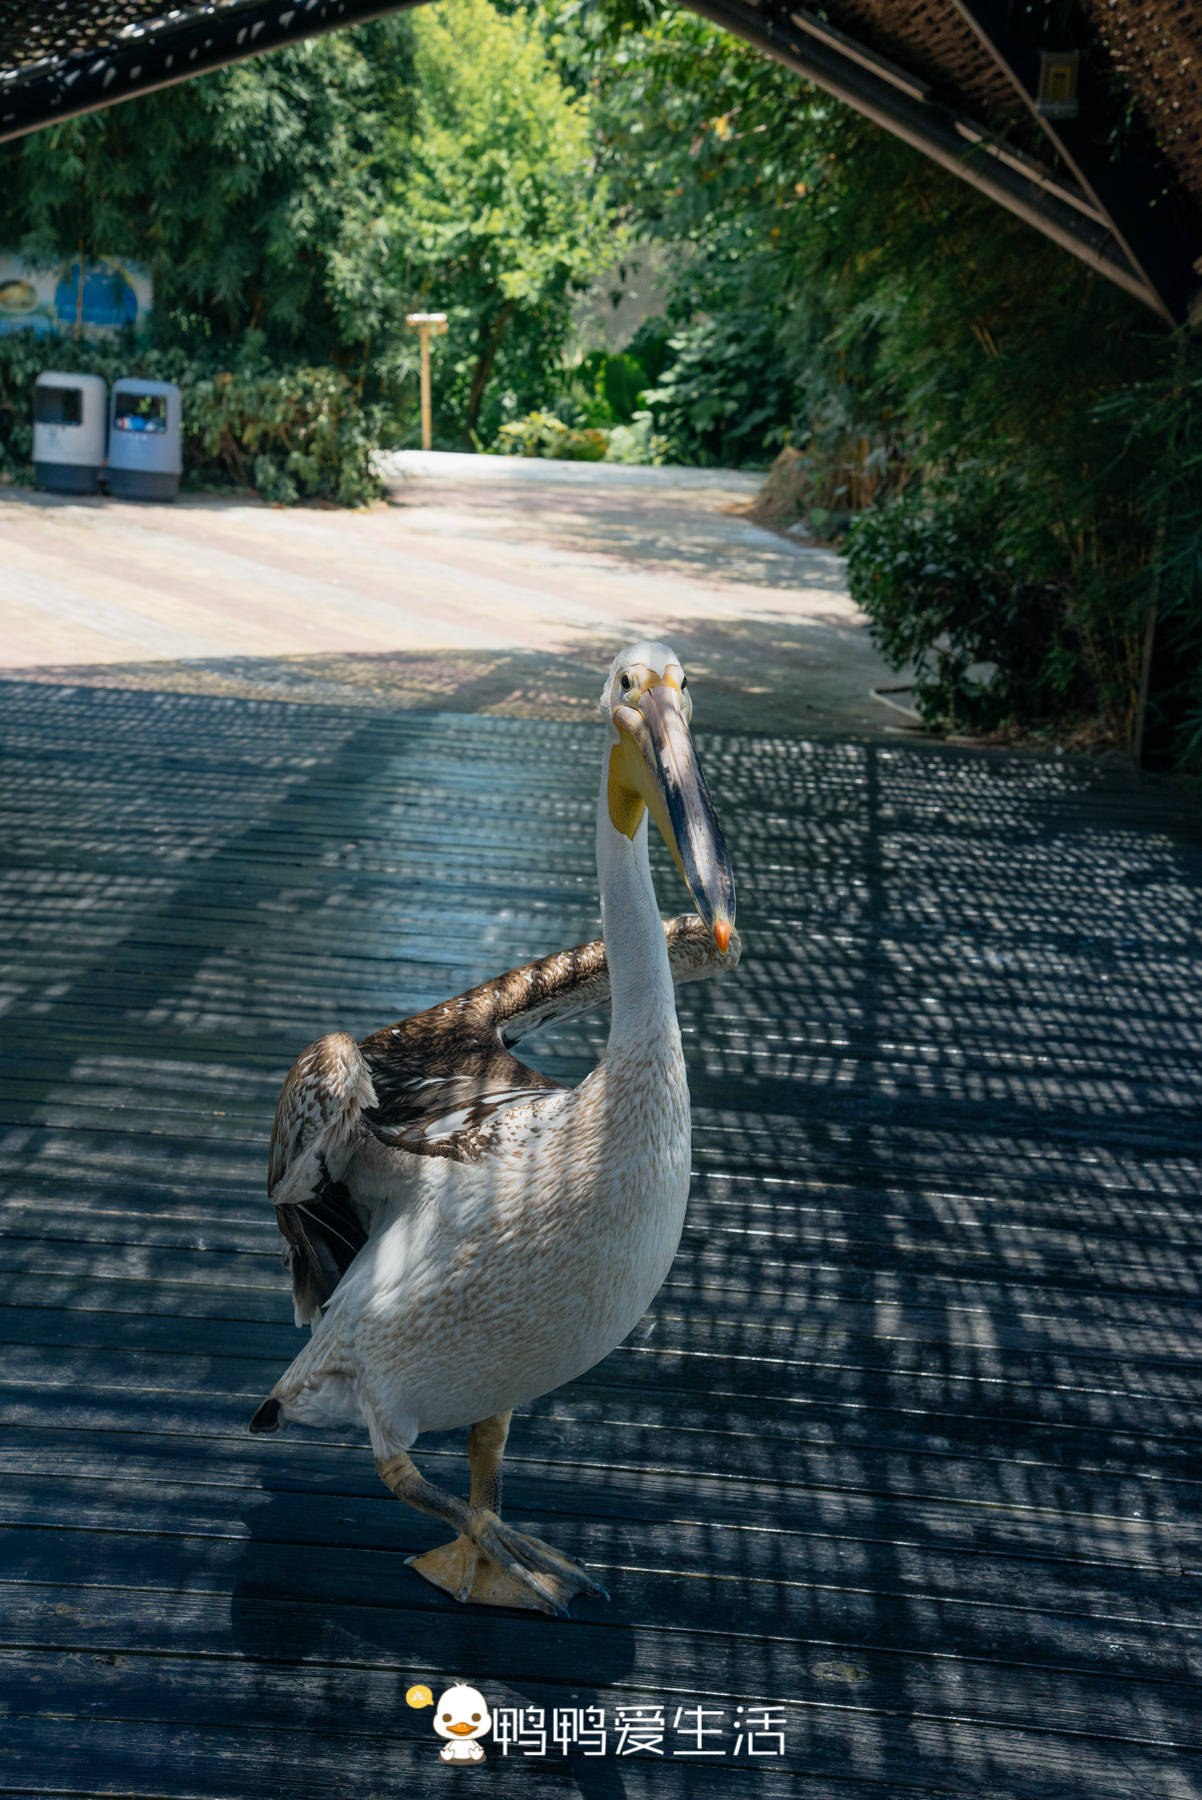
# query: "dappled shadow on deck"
909 1441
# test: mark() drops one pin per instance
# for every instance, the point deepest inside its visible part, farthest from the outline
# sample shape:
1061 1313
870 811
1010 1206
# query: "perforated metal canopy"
73 55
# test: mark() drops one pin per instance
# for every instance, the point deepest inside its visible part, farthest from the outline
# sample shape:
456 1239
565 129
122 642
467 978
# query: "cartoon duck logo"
463 1718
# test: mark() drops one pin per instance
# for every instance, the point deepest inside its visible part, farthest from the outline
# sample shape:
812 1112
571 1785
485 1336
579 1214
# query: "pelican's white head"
633 667
653 767
462 1714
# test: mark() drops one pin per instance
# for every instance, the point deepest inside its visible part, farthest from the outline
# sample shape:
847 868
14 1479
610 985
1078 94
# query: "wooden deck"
910 1448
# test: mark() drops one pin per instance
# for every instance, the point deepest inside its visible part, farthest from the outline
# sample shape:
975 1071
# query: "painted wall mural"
95 300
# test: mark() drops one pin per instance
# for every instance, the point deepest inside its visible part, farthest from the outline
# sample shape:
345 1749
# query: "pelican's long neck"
644 1001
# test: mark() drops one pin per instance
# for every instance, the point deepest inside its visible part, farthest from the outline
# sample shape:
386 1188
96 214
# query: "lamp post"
426 323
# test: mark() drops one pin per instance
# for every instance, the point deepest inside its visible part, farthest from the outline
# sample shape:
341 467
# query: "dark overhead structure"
1084 120
1084 117
65 57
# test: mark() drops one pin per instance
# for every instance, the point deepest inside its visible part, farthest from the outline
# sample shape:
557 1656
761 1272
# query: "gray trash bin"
69 421
145 456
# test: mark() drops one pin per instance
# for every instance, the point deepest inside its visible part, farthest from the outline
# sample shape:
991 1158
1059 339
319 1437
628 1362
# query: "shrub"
542 434
723 397
637 442
289 432
623 379
1163 421
942 591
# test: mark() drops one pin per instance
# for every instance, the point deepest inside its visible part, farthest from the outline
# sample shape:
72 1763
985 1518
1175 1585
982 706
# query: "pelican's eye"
684 682
627 682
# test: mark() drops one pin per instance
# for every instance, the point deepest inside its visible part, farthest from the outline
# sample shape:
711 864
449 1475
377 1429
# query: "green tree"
255 194
297 205
499 215
837 291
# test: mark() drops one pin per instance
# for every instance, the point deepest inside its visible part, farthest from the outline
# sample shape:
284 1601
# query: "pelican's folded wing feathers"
443 1075
317 1122
429 1085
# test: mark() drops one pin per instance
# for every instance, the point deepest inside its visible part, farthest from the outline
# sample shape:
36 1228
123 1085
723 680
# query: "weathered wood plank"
731 1378
805 1313
1009 1507
866 1558
224 1764
914 1428
706 1574
743 1259
92 1195
707 1351
826 1738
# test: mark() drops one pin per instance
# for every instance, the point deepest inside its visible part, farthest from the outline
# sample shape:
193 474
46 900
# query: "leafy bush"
289 432
651 346
1163 422
933 574
599 391
578 398
637 442
542 434
724 397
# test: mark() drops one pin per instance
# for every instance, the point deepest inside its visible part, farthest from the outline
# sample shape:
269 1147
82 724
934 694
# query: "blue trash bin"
145 444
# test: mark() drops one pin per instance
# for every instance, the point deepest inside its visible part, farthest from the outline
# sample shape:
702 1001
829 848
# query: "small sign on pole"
426 323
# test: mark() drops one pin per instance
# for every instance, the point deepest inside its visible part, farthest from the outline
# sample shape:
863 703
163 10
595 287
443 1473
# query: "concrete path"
480 584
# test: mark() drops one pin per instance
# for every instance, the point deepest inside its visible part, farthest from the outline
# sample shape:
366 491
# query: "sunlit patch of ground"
480 585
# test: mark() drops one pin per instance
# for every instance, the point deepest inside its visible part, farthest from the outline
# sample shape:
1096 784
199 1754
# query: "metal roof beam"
1138 197
896 101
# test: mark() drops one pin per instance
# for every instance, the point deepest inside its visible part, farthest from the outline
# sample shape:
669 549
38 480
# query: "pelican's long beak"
655 760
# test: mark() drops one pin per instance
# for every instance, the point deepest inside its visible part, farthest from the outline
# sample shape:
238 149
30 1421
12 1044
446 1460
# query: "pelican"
463 1233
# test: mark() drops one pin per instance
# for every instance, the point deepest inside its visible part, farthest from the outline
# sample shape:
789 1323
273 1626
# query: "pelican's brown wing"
428 1085
441 1076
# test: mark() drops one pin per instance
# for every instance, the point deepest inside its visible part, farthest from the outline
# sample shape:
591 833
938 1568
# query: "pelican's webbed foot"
489 1562
497 1566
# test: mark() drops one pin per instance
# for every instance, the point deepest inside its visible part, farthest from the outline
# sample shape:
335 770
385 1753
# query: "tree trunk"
490 343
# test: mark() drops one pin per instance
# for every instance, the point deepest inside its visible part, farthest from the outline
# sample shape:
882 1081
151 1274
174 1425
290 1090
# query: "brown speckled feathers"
428 1085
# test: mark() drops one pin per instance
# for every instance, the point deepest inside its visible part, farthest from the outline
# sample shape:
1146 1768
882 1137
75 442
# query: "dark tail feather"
267 1418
